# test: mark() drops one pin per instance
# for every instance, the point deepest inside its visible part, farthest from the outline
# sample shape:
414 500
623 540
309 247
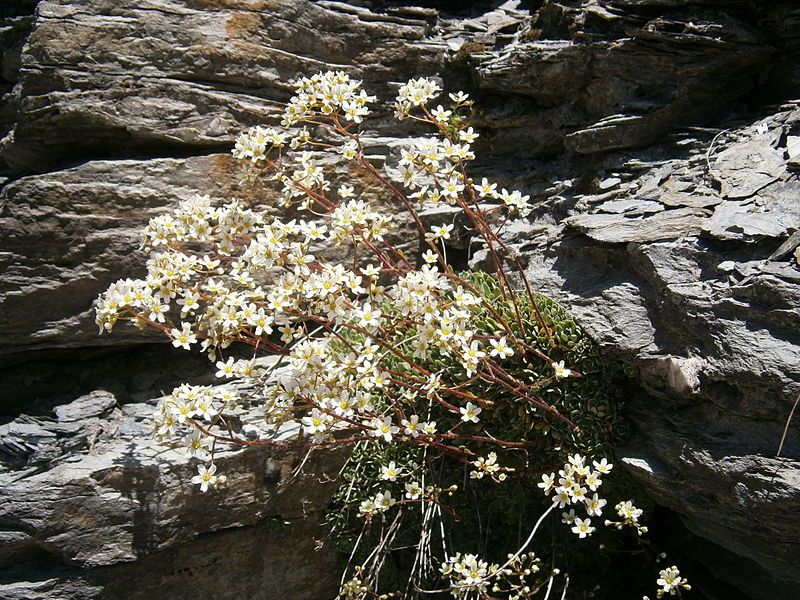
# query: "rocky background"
659 139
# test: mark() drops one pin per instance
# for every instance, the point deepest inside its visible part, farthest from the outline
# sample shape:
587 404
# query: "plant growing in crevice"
453 390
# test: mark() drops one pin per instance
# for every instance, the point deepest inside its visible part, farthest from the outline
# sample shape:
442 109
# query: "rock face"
658 138
695 282
93 509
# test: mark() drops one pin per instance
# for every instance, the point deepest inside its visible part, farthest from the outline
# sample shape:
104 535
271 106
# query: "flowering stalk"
378 351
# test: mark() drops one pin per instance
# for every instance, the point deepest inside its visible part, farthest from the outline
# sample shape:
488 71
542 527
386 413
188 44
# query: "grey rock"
705 306
86 407
748 221
631 207
621 228
793 150
745 168
120 519
100 79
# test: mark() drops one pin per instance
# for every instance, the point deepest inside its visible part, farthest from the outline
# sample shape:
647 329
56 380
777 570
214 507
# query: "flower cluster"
467 574
671 581
331 94
489 466
575 482
514 580
256 143
382 502
630 517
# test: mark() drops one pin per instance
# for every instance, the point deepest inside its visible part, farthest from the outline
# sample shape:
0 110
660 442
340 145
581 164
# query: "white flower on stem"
198 446
430 257
390 472
183 337
383 428
592 481
500 348
383 500
429 427
205 477
627 510
440 114
603 467
468 135
561 371
371 271
413 490
369 318
441 232
411 426
288 333
486 189
547 483
316 423
562 497
583 528
226 369
470 412
346 191
670 580
568 518
157 312
594 505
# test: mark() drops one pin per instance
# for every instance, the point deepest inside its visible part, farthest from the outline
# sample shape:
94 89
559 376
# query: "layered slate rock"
686 269
104 79
91 508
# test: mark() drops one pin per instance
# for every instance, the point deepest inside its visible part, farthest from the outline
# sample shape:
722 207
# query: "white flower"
603 466
411 426
183 337
226 369
547 484
592 481
440 114
583 528
441 231
670 580
316 423
470 412
413 490
430 257
370 318
390 472
383 428
560 370
205 477
198 446
594 506
383 500
562 497
500 348
467 135
568 518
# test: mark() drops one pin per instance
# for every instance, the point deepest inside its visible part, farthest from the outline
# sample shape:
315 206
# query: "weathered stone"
619 228
98 78
126 504
706 307
745 168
